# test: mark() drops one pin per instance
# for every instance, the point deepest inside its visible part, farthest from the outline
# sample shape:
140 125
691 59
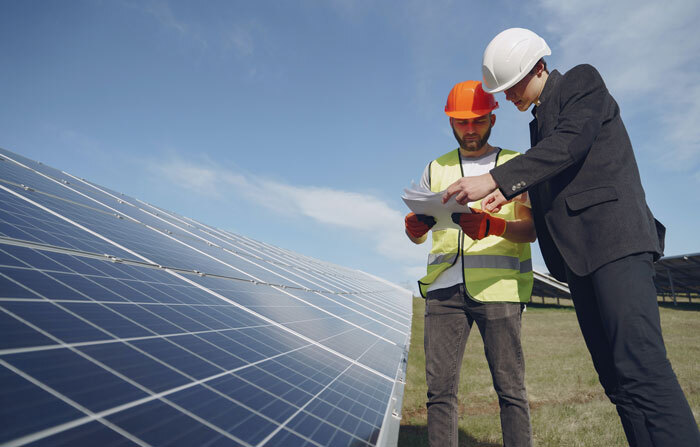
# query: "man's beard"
472 145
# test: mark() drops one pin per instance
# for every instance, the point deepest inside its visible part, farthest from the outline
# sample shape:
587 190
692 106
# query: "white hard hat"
510 56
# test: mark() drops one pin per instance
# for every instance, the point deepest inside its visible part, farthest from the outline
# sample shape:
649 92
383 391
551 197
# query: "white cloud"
639 45
647 53
353 211
201 179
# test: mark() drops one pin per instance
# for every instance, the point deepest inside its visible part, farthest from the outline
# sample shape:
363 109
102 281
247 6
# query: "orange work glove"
478 224
418 224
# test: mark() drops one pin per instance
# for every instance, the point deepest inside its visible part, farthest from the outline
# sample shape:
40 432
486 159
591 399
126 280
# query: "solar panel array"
123 324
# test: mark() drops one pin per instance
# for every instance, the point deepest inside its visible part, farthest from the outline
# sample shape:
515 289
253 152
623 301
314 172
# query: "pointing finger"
446 196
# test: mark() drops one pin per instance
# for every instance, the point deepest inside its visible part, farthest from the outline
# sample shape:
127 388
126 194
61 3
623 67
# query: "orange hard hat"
468 100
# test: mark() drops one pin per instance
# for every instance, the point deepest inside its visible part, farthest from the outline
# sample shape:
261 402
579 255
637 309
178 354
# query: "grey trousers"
449 315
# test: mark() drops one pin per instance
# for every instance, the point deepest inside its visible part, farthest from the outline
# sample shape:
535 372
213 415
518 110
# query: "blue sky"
299 123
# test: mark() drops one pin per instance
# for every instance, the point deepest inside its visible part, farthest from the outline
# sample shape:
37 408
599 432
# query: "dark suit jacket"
587 198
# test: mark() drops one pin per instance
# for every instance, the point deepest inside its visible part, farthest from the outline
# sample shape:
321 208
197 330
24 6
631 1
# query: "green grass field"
568 406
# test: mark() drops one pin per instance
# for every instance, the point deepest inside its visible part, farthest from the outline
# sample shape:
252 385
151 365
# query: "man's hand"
470 189
478 224
494 201
418 224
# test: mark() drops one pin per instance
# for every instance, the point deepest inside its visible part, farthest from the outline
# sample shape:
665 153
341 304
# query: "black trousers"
619 317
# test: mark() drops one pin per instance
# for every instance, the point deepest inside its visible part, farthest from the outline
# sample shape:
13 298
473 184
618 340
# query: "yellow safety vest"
494 269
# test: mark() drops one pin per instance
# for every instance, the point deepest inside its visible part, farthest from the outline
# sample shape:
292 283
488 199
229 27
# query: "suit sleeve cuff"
508 187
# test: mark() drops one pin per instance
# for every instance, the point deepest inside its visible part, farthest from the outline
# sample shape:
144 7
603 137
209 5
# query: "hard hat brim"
470 114
506 86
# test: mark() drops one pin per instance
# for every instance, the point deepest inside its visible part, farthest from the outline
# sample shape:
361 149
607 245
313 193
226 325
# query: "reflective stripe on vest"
494 269
484 262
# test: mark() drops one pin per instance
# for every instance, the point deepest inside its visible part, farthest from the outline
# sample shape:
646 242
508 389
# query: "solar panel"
124 324
546 286
678 277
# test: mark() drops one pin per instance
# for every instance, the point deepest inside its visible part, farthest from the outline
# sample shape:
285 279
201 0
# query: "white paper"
424 201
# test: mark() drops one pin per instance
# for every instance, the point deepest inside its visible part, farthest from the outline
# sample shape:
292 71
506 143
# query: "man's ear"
539 68
493 119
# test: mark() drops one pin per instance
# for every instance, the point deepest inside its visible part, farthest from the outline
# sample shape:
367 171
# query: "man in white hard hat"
594 227
481 274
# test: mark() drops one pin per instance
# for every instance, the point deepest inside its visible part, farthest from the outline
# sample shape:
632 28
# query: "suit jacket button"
514 187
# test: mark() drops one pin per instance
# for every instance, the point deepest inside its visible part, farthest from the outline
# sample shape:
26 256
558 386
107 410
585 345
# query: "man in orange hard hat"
595 229
481 273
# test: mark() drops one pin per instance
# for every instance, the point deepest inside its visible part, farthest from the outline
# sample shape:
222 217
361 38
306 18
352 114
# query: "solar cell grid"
154 245
304 266
149 328
175 229
17 215
96 432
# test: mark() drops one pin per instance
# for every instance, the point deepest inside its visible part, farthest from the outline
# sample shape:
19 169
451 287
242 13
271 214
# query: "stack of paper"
423 201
